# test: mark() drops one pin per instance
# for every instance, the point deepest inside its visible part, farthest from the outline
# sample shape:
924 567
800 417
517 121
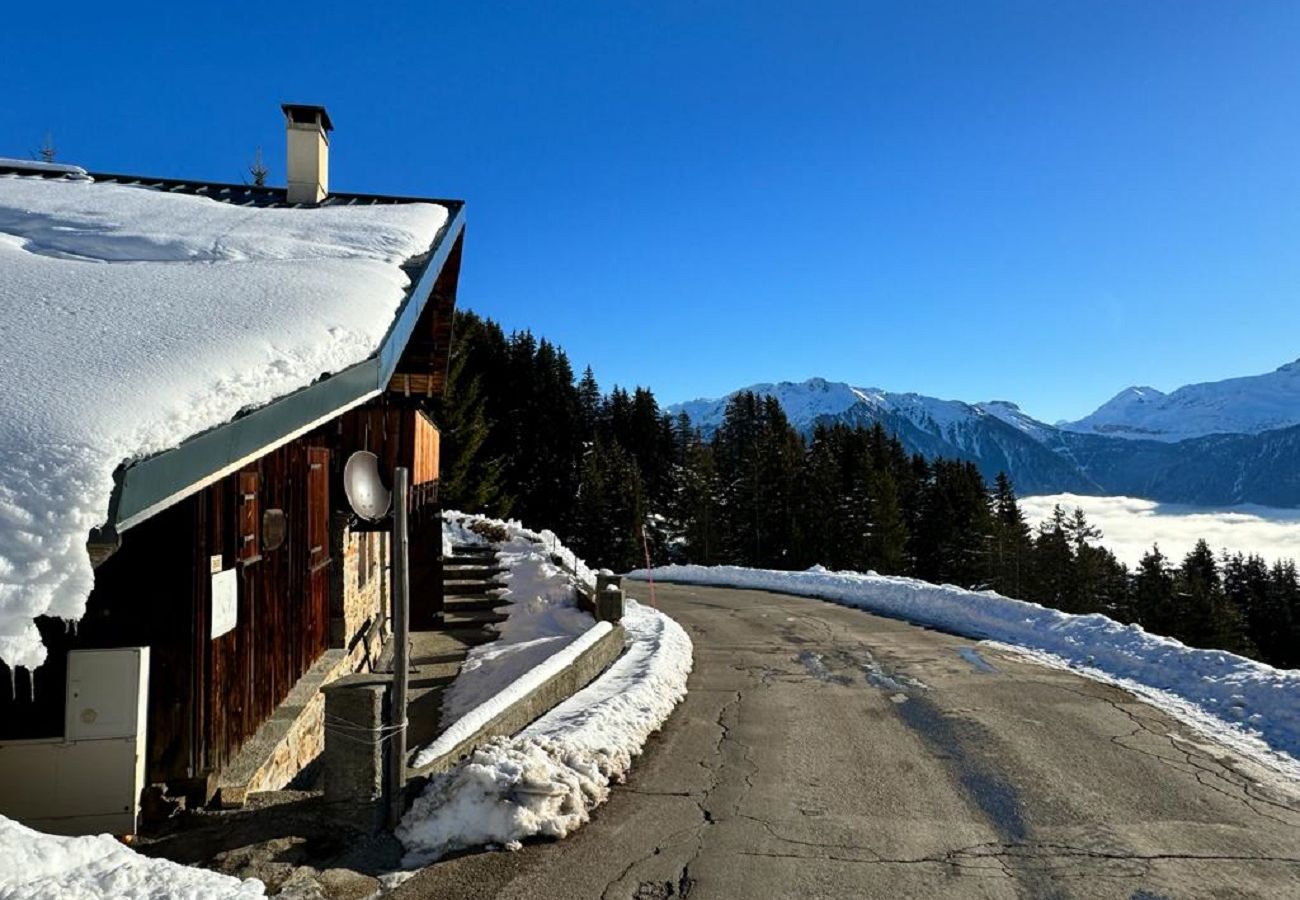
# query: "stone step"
459 605
473 550
466 588
454 571
453 619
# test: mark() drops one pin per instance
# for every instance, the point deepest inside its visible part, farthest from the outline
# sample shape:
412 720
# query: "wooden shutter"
249 549
318 507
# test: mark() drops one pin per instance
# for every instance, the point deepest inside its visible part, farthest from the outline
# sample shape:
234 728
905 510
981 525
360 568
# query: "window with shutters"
249 548
318 507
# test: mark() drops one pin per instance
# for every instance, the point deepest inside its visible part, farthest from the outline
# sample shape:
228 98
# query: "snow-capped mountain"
1238 440
1249 405
996 435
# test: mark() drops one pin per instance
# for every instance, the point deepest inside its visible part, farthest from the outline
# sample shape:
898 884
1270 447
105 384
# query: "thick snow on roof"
135 318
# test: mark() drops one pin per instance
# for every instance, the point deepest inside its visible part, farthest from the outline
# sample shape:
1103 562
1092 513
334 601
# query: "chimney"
308 129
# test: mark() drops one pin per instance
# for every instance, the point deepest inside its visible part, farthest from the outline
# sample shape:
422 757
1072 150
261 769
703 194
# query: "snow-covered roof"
135 318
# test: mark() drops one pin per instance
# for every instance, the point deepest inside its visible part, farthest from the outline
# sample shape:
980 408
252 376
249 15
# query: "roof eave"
149 486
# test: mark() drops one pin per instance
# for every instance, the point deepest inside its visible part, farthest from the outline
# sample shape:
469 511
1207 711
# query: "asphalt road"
825 752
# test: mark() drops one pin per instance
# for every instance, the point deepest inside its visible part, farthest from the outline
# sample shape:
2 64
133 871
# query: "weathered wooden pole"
401 649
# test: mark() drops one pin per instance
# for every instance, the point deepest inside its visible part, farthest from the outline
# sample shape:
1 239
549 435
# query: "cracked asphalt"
826 752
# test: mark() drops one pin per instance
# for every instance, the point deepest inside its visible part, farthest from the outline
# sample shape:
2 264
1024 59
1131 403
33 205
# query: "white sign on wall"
225 602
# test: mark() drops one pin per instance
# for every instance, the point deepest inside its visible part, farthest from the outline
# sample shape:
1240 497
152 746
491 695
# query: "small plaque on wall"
225 602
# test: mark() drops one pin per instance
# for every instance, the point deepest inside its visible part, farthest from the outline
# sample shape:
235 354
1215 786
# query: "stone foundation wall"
365 590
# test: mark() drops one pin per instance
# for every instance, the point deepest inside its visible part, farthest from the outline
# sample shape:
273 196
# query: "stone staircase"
470 589
439 648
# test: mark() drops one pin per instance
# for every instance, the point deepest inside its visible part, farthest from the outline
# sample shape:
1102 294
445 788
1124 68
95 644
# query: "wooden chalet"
234 559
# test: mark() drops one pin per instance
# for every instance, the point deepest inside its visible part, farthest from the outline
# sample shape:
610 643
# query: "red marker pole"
649 570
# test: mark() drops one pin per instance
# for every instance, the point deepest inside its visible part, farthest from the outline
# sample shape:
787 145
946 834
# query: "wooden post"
401 649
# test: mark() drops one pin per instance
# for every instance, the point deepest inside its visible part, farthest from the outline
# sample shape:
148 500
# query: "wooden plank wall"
283 620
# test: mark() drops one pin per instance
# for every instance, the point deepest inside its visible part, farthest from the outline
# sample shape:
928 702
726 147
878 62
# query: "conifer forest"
524 436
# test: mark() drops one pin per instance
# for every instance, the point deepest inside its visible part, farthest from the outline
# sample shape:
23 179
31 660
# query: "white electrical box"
107 694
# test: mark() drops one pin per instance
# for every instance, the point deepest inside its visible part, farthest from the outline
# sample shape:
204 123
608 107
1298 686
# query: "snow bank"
1242 701
37 866
548 778
543 619
135 318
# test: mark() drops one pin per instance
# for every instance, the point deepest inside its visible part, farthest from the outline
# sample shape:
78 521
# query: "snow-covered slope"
1248 405
134 318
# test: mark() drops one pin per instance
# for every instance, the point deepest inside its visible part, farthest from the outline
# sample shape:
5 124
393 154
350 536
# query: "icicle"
13 685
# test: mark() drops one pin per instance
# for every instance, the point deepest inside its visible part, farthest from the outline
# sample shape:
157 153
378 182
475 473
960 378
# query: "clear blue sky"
1034 201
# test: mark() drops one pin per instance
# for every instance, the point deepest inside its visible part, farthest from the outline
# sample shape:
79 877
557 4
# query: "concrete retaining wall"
532 706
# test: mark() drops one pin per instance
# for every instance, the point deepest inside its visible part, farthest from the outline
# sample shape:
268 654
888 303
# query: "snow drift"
135 318
38 866
548 778
1241 701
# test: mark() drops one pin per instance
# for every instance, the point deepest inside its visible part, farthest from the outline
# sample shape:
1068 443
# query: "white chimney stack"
308 146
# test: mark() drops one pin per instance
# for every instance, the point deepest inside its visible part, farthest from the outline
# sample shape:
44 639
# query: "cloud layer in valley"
1130 526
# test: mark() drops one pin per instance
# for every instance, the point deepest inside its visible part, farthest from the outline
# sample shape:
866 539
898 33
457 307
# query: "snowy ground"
135 318
1130 525
37 866
548 778
1247 705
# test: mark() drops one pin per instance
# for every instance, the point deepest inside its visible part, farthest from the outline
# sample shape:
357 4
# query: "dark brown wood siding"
283 620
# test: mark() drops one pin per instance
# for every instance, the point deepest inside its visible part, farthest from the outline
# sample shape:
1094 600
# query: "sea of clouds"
1130 525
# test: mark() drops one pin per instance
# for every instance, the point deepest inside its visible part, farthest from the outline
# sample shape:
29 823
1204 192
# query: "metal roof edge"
150 485
153 484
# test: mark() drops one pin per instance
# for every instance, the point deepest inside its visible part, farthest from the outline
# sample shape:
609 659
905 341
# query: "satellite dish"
366 492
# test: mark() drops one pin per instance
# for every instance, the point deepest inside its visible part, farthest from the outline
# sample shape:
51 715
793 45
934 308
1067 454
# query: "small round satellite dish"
366 492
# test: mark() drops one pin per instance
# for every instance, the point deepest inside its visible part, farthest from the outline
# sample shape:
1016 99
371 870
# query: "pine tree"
887 552
1089 583
820 528
1052 575
610 512
1251 591
589 403
1012 544
470 481
1284 594
1206 618
698 505
1155 594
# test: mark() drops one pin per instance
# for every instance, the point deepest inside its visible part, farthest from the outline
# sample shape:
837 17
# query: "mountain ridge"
1133 444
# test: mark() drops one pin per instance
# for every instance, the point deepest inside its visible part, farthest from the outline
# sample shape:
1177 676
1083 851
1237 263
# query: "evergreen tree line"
616 477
